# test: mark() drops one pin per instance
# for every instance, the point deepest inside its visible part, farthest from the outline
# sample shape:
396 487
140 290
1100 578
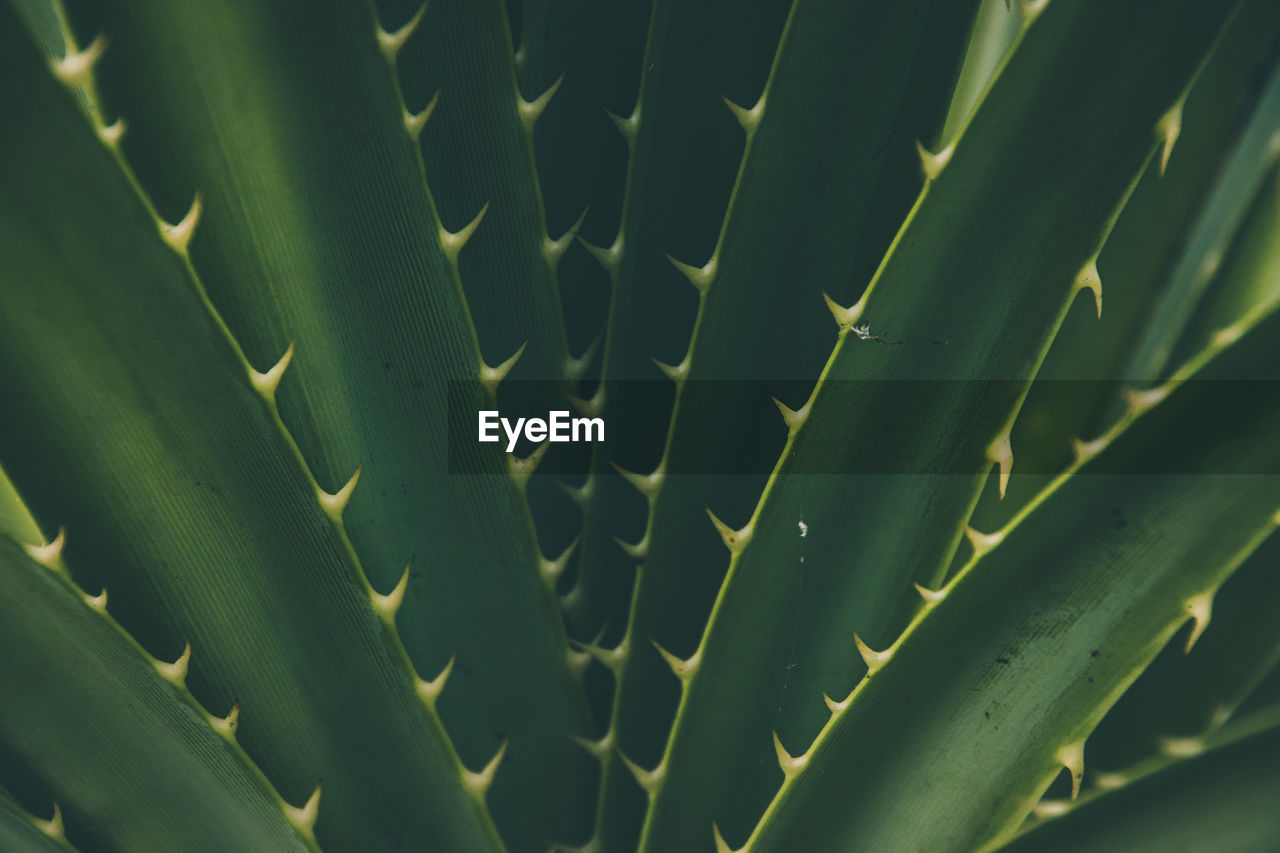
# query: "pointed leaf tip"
722 846
531 111
575 368
634 550
552 569
178 235
97 602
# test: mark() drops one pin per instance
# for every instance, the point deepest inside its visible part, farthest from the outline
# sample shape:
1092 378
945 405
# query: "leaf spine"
429 691
836 707
613 659
1140 401
552 569
649 780
478 783
647 484
111 134
627 126
684 668
1000 452
491 377
522 469
610 257
601 748
304 819
793 418
734 540
553 250
97 602
415 122
334 504
1050 808
1088 279
1167 129
722 846
178 235
176 673
873 659
790 764
53 827
75 69
1200 607
677 373
390 43
700 277
931 596
576 368
226 726
267 383
1180 747
453 241
1072 757
531 111
49 555
845 317
932 164
591 407
388 605
982 542
1086 450
749 118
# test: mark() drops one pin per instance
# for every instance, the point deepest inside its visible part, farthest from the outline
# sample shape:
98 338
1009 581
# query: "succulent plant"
243 347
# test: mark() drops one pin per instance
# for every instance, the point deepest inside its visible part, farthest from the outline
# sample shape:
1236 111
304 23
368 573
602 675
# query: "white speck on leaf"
804 529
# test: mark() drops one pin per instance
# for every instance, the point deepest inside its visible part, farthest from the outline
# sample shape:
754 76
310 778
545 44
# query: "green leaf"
949 308
1221 800
963 722
361 277
136 761
143 431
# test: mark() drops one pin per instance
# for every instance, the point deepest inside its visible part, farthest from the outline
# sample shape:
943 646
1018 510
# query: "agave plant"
244 347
